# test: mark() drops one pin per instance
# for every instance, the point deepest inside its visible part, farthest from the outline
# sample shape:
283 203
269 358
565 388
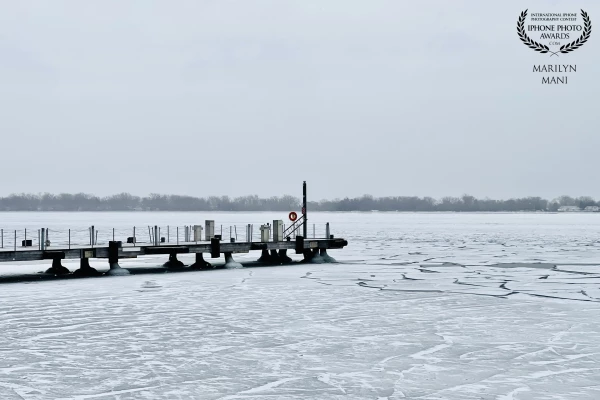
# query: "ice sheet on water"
449 321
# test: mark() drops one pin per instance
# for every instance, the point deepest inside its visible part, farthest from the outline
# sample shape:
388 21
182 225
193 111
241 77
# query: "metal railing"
154 235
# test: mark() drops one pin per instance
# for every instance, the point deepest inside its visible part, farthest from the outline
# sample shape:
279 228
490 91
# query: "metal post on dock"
304 210
25 236
327 231
42 234
159 237
155 235
69 238
134 236
2 234
15 240
177 236
113 234
168 236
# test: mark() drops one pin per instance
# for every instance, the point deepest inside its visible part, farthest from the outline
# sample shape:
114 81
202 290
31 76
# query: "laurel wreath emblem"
542 48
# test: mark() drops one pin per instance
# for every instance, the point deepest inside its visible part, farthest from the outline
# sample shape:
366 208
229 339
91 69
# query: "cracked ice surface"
427 307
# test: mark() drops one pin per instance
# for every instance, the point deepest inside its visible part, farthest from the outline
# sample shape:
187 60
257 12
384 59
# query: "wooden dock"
313 250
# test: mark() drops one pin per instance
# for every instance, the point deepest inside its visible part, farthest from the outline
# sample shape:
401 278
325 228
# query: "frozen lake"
420 306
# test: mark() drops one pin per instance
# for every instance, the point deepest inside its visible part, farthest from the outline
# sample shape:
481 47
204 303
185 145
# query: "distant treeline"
157 202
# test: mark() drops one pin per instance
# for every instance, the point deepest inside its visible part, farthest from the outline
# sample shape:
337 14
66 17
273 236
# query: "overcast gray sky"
243 97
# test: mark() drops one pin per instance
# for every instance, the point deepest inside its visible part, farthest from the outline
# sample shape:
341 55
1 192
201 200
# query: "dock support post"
173 262
215 248
283 257
326 257
200 263
113 260
315 258
308 255
85 269
57 268
275 257
231 263
265 257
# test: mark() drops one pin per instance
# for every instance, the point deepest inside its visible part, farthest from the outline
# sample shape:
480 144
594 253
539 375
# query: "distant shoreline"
125 202
279 211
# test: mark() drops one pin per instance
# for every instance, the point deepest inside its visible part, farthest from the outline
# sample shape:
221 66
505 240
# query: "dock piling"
275 257
231 263
265 257
57 268
113 260
200 263
326 257
85 268
283 257
215 247
173 262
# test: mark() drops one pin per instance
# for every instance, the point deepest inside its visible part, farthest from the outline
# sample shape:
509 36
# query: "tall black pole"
304 210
